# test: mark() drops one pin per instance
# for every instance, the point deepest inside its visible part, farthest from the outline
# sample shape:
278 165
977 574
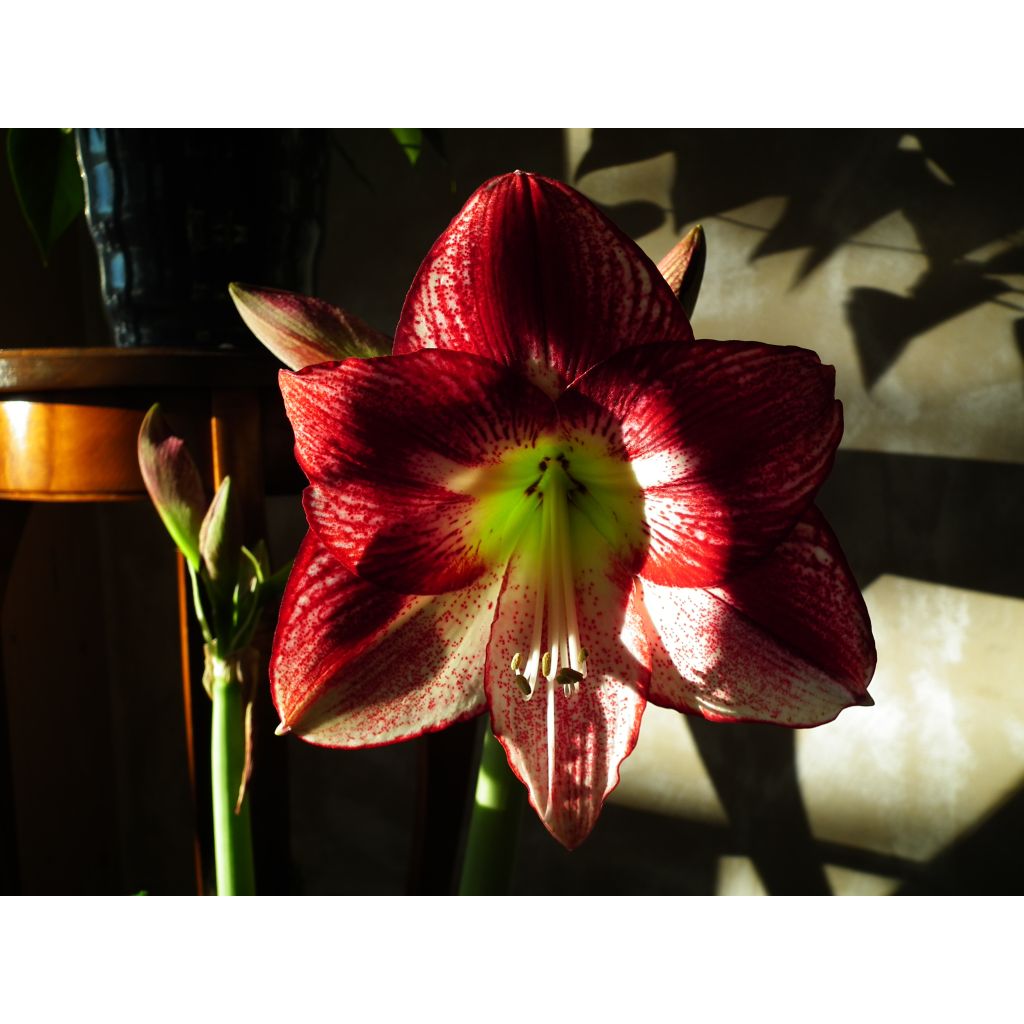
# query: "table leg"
12 520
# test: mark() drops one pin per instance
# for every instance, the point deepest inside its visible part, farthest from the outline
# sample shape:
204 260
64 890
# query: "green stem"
232 834
497 809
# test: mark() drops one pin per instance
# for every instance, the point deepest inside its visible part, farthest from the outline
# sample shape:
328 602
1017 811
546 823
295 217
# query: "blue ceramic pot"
178 214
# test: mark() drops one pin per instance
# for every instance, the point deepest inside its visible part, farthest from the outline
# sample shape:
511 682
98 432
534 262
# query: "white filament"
556 596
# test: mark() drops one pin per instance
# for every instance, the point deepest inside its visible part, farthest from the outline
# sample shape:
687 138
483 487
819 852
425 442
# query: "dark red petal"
728 440
357 666
392 446
597 728
788 641
533 275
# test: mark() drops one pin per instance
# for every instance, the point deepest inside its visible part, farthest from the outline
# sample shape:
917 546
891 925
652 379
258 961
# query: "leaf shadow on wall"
941 520
961 192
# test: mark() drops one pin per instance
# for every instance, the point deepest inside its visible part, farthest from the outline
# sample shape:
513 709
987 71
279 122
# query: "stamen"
533 664
562 661
562 620
547 528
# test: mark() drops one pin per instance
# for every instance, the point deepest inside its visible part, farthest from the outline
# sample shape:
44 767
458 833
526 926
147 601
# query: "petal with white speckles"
788 641
570 773
357 666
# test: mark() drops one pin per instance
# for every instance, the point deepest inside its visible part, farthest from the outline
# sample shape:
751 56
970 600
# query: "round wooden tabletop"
70 417
25 370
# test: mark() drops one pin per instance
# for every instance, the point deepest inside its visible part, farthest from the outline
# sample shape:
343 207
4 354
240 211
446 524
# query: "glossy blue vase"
176 215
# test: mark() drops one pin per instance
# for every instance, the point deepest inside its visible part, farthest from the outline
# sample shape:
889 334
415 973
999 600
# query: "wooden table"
69 422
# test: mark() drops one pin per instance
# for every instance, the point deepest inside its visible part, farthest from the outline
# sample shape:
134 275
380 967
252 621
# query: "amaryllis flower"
552 503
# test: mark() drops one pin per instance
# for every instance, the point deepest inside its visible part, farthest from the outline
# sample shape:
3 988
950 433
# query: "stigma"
555 654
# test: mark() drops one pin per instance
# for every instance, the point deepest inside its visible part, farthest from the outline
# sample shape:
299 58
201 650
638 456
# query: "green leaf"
203 605
47 181
173 482
411 140
275 584
247 599
263 557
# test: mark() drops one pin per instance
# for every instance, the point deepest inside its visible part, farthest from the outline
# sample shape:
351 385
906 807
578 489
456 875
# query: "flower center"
560 507
555 653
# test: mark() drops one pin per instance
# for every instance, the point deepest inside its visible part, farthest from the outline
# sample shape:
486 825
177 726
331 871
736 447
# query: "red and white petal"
788 642
728 440
570 771
357 666
395 448
533 275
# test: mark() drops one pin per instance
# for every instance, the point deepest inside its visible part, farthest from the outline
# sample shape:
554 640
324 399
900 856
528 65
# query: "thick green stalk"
232 834
494 826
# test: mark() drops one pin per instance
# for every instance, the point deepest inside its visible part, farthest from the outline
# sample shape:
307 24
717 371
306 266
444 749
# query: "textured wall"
899 257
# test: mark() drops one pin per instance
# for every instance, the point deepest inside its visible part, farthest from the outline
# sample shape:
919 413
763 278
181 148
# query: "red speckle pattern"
596 729
357 666
533 275
728 440
788 642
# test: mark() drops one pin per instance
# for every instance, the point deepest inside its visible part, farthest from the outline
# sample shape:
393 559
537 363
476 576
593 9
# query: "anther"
545 664
517 660
583 656
569 677
524 684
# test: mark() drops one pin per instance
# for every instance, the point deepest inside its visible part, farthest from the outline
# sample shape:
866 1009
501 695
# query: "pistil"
561 663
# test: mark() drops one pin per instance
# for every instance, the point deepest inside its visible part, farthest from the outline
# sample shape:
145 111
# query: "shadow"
631 852
753 770
955 522
959 191
957 537
985 862
445 778
884 324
